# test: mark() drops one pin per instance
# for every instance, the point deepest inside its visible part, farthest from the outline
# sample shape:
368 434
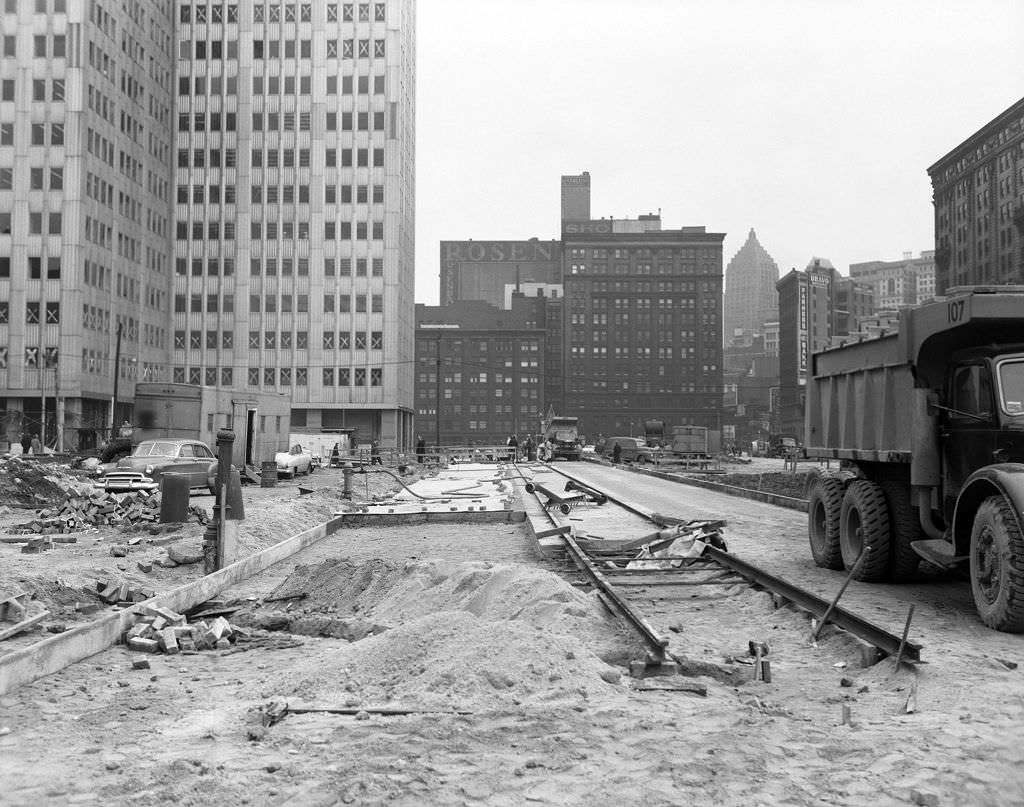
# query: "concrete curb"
30 663
453 517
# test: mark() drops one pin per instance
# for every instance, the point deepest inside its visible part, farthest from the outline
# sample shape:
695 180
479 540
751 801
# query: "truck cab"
983 421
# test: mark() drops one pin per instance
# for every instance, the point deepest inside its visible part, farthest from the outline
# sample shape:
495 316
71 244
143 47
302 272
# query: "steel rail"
656 644
885 641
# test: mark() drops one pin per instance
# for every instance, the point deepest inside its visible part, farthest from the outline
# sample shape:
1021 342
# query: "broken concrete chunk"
184 554
144 645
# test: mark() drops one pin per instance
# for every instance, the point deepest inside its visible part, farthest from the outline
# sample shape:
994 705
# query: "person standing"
421 449
513 445
529 449
26 443
375 452
37 446
617 453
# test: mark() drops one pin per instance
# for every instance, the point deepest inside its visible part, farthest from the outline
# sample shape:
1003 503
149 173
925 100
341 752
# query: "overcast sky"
811 121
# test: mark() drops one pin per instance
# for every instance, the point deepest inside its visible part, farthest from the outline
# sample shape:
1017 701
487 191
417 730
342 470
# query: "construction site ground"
513 682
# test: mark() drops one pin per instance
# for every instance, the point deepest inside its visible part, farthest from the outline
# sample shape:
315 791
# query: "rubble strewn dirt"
513 691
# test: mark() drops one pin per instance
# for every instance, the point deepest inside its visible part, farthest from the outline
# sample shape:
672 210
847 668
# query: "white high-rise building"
294 173
86 217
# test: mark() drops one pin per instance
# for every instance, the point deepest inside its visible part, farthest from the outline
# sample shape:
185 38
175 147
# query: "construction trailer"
928 424
695 440
260 420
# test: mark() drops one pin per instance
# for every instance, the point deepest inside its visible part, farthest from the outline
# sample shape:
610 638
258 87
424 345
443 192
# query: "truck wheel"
904 529
823 508
864 523
997 566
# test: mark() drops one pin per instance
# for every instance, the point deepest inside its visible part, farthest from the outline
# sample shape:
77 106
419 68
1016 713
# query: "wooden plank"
23 625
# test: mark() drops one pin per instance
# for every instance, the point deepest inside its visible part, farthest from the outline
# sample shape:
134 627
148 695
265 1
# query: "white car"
296 460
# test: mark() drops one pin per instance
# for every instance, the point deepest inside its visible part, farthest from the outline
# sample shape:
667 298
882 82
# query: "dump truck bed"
858 403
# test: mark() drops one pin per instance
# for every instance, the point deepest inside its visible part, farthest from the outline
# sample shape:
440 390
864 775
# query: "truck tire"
824 505
904 529
864 524
997 566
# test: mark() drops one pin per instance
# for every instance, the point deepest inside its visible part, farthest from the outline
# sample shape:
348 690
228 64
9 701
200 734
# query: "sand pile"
451 660
392 592
461 635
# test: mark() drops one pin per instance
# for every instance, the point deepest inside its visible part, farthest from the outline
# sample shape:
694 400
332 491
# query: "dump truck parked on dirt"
929 424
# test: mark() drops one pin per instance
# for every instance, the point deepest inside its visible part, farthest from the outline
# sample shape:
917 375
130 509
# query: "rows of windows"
200 50
34 357
40 223
274 85
281 376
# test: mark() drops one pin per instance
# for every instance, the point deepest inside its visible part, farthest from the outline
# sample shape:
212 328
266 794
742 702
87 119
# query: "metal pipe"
413 492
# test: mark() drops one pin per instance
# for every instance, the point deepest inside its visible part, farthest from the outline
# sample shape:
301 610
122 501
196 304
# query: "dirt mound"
452 660
463 635
391 593
29 482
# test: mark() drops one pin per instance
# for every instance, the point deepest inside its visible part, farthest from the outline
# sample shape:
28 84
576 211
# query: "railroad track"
623 569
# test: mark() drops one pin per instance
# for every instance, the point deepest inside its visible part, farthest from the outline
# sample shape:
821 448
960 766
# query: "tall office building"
750 295
86 117
643 324
294 156
978 192
576 197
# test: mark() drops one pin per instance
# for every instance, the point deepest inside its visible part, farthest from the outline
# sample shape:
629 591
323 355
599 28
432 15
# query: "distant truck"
562 435
696 440
654 433
782 445
929 426
260 420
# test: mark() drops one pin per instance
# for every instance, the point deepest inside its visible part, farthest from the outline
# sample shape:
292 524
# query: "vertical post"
212 548
60 408
437 402
117 374
42 402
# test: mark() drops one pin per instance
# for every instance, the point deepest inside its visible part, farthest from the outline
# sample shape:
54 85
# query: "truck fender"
1007 479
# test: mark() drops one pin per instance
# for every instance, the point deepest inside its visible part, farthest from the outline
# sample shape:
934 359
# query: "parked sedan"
633 449
296 460
144 468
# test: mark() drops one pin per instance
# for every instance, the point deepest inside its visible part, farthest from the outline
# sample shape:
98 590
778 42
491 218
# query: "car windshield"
154 449
1011 387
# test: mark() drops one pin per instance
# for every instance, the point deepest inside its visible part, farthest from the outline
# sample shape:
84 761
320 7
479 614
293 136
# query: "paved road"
775 539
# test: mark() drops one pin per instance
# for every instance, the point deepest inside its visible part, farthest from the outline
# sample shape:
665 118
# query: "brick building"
978 193
643 331
481 370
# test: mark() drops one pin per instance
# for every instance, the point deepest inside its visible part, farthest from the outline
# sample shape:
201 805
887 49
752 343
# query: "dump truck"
928 425
563 436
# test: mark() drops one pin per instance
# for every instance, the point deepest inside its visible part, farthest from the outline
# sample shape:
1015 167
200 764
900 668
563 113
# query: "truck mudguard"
1005 478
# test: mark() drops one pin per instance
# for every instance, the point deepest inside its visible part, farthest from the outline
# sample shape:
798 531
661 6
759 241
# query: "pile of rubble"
94 509
161 630
28 483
